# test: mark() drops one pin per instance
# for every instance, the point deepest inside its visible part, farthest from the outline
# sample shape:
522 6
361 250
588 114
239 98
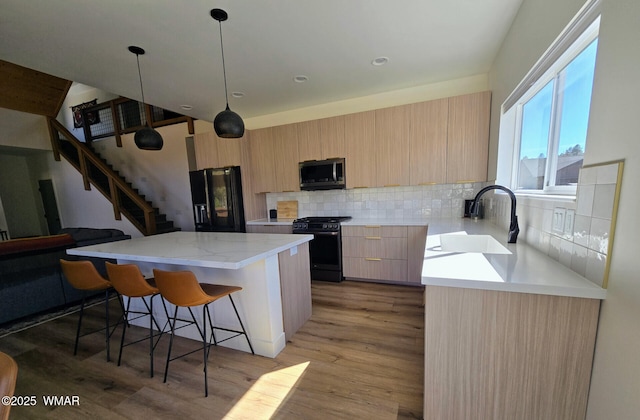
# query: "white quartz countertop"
525 270
356 221
228 250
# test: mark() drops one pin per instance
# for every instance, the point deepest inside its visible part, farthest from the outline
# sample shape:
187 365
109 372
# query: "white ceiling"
266 44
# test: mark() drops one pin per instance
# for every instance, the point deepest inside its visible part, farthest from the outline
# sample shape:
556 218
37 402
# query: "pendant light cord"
140 77
224 69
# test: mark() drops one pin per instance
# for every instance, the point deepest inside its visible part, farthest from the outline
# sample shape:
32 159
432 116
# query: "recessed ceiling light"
186 107
238 94
300 78
380 61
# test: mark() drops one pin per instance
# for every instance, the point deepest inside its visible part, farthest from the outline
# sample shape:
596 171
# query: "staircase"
96 171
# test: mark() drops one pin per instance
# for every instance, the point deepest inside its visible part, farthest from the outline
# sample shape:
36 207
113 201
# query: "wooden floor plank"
361 355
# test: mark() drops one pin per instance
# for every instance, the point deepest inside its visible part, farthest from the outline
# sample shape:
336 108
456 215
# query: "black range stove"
318 224
325 250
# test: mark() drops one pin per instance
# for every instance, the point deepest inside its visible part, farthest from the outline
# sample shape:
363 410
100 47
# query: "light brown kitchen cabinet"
270 228
504 355
468 137
392 145
321 139
214 152
383 253
261 149
309 147
332 137
285 153
417 241
428 142
360 152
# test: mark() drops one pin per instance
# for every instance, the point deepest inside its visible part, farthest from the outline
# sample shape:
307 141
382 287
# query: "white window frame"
581 31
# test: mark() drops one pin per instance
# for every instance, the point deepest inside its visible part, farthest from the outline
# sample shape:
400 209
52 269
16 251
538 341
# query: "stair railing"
104 179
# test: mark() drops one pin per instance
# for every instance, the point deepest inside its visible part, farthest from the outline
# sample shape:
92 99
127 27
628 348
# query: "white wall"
613 134
162 176
78 207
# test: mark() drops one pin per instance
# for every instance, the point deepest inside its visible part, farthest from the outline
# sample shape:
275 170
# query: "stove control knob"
324 226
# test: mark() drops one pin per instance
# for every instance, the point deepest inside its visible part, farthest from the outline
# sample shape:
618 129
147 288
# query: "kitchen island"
507 334
272 269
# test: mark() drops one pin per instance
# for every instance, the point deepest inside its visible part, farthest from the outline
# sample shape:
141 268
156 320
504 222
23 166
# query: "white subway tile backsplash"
584 204
579 260
603 201
607 174
584 247
596 264
599 235
581 229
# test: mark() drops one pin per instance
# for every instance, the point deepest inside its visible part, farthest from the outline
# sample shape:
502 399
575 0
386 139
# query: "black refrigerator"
217 200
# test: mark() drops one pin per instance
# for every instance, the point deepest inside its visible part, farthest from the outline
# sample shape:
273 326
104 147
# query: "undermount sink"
484 244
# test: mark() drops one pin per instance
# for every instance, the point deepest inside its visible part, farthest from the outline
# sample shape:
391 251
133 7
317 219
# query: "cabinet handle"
373 259
361 187
372 226
392 185
428 183
466 181
372 237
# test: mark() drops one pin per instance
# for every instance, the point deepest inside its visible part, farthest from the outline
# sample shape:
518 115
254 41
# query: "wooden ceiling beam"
26 90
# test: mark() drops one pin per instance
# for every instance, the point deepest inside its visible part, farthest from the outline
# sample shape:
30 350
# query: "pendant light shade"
227 123
146 138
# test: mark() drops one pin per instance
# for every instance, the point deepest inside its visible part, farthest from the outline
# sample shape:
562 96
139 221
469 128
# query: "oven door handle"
326 233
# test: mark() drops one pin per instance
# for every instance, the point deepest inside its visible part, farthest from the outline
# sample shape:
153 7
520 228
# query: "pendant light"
146 138
227 123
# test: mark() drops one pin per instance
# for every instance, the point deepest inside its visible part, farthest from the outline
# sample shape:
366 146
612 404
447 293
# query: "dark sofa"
30 277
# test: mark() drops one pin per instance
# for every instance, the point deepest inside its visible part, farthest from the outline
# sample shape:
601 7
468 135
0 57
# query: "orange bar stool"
182 289
83 275
8 378
129 281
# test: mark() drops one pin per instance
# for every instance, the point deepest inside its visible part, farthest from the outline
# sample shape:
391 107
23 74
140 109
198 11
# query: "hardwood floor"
360 356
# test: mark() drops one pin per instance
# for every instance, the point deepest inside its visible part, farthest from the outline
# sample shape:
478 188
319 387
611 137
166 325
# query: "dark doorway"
50 206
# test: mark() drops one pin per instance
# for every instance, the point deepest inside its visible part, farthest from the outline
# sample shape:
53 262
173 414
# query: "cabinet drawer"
375 230
374 246
269 228
375 268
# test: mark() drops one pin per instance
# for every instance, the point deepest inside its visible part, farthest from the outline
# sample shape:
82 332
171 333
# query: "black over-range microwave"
322 174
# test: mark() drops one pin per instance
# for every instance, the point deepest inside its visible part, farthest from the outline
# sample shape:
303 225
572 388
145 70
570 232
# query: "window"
554 123
546 118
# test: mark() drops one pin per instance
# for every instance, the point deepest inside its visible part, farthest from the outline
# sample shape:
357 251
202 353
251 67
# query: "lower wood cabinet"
383 253
505 355
270 228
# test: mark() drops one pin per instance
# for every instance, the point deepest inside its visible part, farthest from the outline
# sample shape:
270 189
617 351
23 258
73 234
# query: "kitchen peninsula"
272 269
509 332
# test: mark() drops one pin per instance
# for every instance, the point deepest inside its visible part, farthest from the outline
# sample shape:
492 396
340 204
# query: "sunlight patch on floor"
267 394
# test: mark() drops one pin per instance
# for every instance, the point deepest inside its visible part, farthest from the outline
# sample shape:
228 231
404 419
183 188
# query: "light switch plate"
558 219
569 217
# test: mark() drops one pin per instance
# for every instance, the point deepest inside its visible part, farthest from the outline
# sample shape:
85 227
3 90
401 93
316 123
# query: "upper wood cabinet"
332 137
309 145
428 142
321 139
285 151
360 152
215 152
468 137
261 149
205 150
229 151
392 145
